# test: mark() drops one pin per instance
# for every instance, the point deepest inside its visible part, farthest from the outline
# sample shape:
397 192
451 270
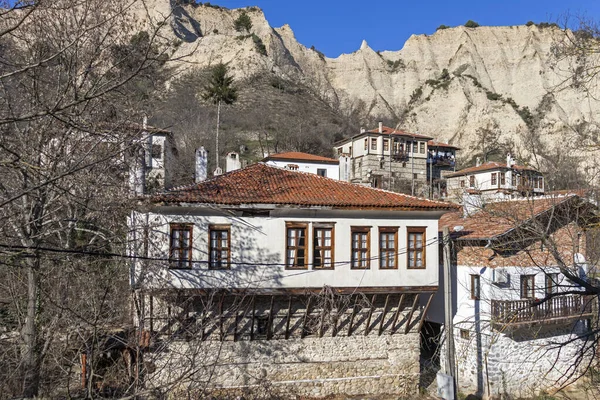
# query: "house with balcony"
287 275
495 180
386 158
304 162
441 160
522 308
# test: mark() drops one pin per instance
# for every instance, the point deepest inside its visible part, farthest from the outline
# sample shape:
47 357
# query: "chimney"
345 169
233 162
137 171
478 161
362 130
472 203
380 127
201 165
508 160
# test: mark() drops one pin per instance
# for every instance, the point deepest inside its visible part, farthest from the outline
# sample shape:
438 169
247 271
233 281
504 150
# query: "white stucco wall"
332 170
258 250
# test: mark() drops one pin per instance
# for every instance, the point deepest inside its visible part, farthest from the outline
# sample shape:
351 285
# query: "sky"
335 27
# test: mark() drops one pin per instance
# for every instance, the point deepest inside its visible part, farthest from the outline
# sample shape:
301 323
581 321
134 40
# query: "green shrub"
442 27
493 96
418 92
529 23
243 22
445 75
543 25
471 24
394 65
320 54
260 46
216 31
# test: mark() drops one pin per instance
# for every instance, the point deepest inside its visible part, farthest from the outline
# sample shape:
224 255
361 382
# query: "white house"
520 304
326 272
303 162
495 181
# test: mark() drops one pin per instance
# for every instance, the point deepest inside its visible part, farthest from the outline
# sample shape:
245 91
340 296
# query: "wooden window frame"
355 263
296 226
462 183
475 286
322 172
416 229
318 227
211 260
387 230
422 147
502 178
551 283
494 178
386 145
374 144
472 181
179 262
522 281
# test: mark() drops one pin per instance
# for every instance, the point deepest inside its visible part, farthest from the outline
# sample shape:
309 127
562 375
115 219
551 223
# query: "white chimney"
362 130
201 165
137 172
380 127
233 162
344 168
478 161
472 203
508 160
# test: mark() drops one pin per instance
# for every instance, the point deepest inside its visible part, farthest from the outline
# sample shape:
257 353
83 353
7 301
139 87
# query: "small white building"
495 181
520 326
304 162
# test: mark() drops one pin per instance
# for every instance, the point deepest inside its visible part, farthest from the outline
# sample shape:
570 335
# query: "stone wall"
316 367
309 346
520 363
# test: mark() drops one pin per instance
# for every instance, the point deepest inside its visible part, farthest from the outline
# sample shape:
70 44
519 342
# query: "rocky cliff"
450 84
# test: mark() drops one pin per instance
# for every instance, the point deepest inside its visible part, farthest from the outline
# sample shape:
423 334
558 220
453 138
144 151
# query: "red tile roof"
497 218
298 156
433 143
490 165
263 184
386 130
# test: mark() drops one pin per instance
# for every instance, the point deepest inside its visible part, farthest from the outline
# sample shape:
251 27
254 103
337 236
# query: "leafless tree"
74 75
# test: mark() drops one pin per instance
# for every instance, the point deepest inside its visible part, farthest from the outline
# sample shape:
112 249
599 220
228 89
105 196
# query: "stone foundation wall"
520 363
316 367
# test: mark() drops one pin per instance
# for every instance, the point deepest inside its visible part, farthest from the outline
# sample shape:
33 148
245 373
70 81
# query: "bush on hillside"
471 24
243 22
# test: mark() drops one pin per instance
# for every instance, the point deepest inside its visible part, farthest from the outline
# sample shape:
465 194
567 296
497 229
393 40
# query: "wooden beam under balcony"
555 310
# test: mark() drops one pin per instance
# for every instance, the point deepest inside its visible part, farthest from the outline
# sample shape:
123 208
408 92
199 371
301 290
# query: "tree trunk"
30 356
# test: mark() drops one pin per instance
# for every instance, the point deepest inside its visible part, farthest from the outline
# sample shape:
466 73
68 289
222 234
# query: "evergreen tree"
219 90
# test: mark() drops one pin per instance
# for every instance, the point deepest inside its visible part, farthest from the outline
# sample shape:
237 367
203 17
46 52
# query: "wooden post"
289 317
387 299
352 316
397 314
425 312
370 314
449 326
410 315
270 320
305 321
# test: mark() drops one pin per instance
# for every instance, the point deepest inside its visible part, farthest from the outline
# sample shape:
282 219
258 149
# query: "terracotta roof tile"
263 184
497 218
433 143
490 165
298 156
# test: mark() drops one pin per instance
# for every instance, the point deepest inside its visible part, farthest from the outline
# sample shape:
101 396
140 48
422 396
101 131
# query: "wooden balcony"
400 156
557 309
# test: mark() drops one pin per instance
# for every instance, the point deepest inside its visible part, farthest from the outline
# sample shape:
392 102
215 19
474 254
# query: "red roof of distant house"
298 156
263 184
433 143
386 130
497 218
490 165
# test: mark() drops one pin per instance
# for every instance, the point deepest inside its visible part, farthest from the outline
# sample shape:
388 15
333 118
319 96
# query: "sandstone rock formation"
448 84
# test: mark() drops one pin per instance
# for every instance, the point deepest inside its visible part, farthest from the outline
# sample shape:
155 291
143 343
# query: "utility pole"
449 327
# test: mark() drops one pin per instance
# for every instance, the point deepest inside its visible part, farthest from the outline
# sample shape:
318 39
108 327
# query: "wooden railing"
507 312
